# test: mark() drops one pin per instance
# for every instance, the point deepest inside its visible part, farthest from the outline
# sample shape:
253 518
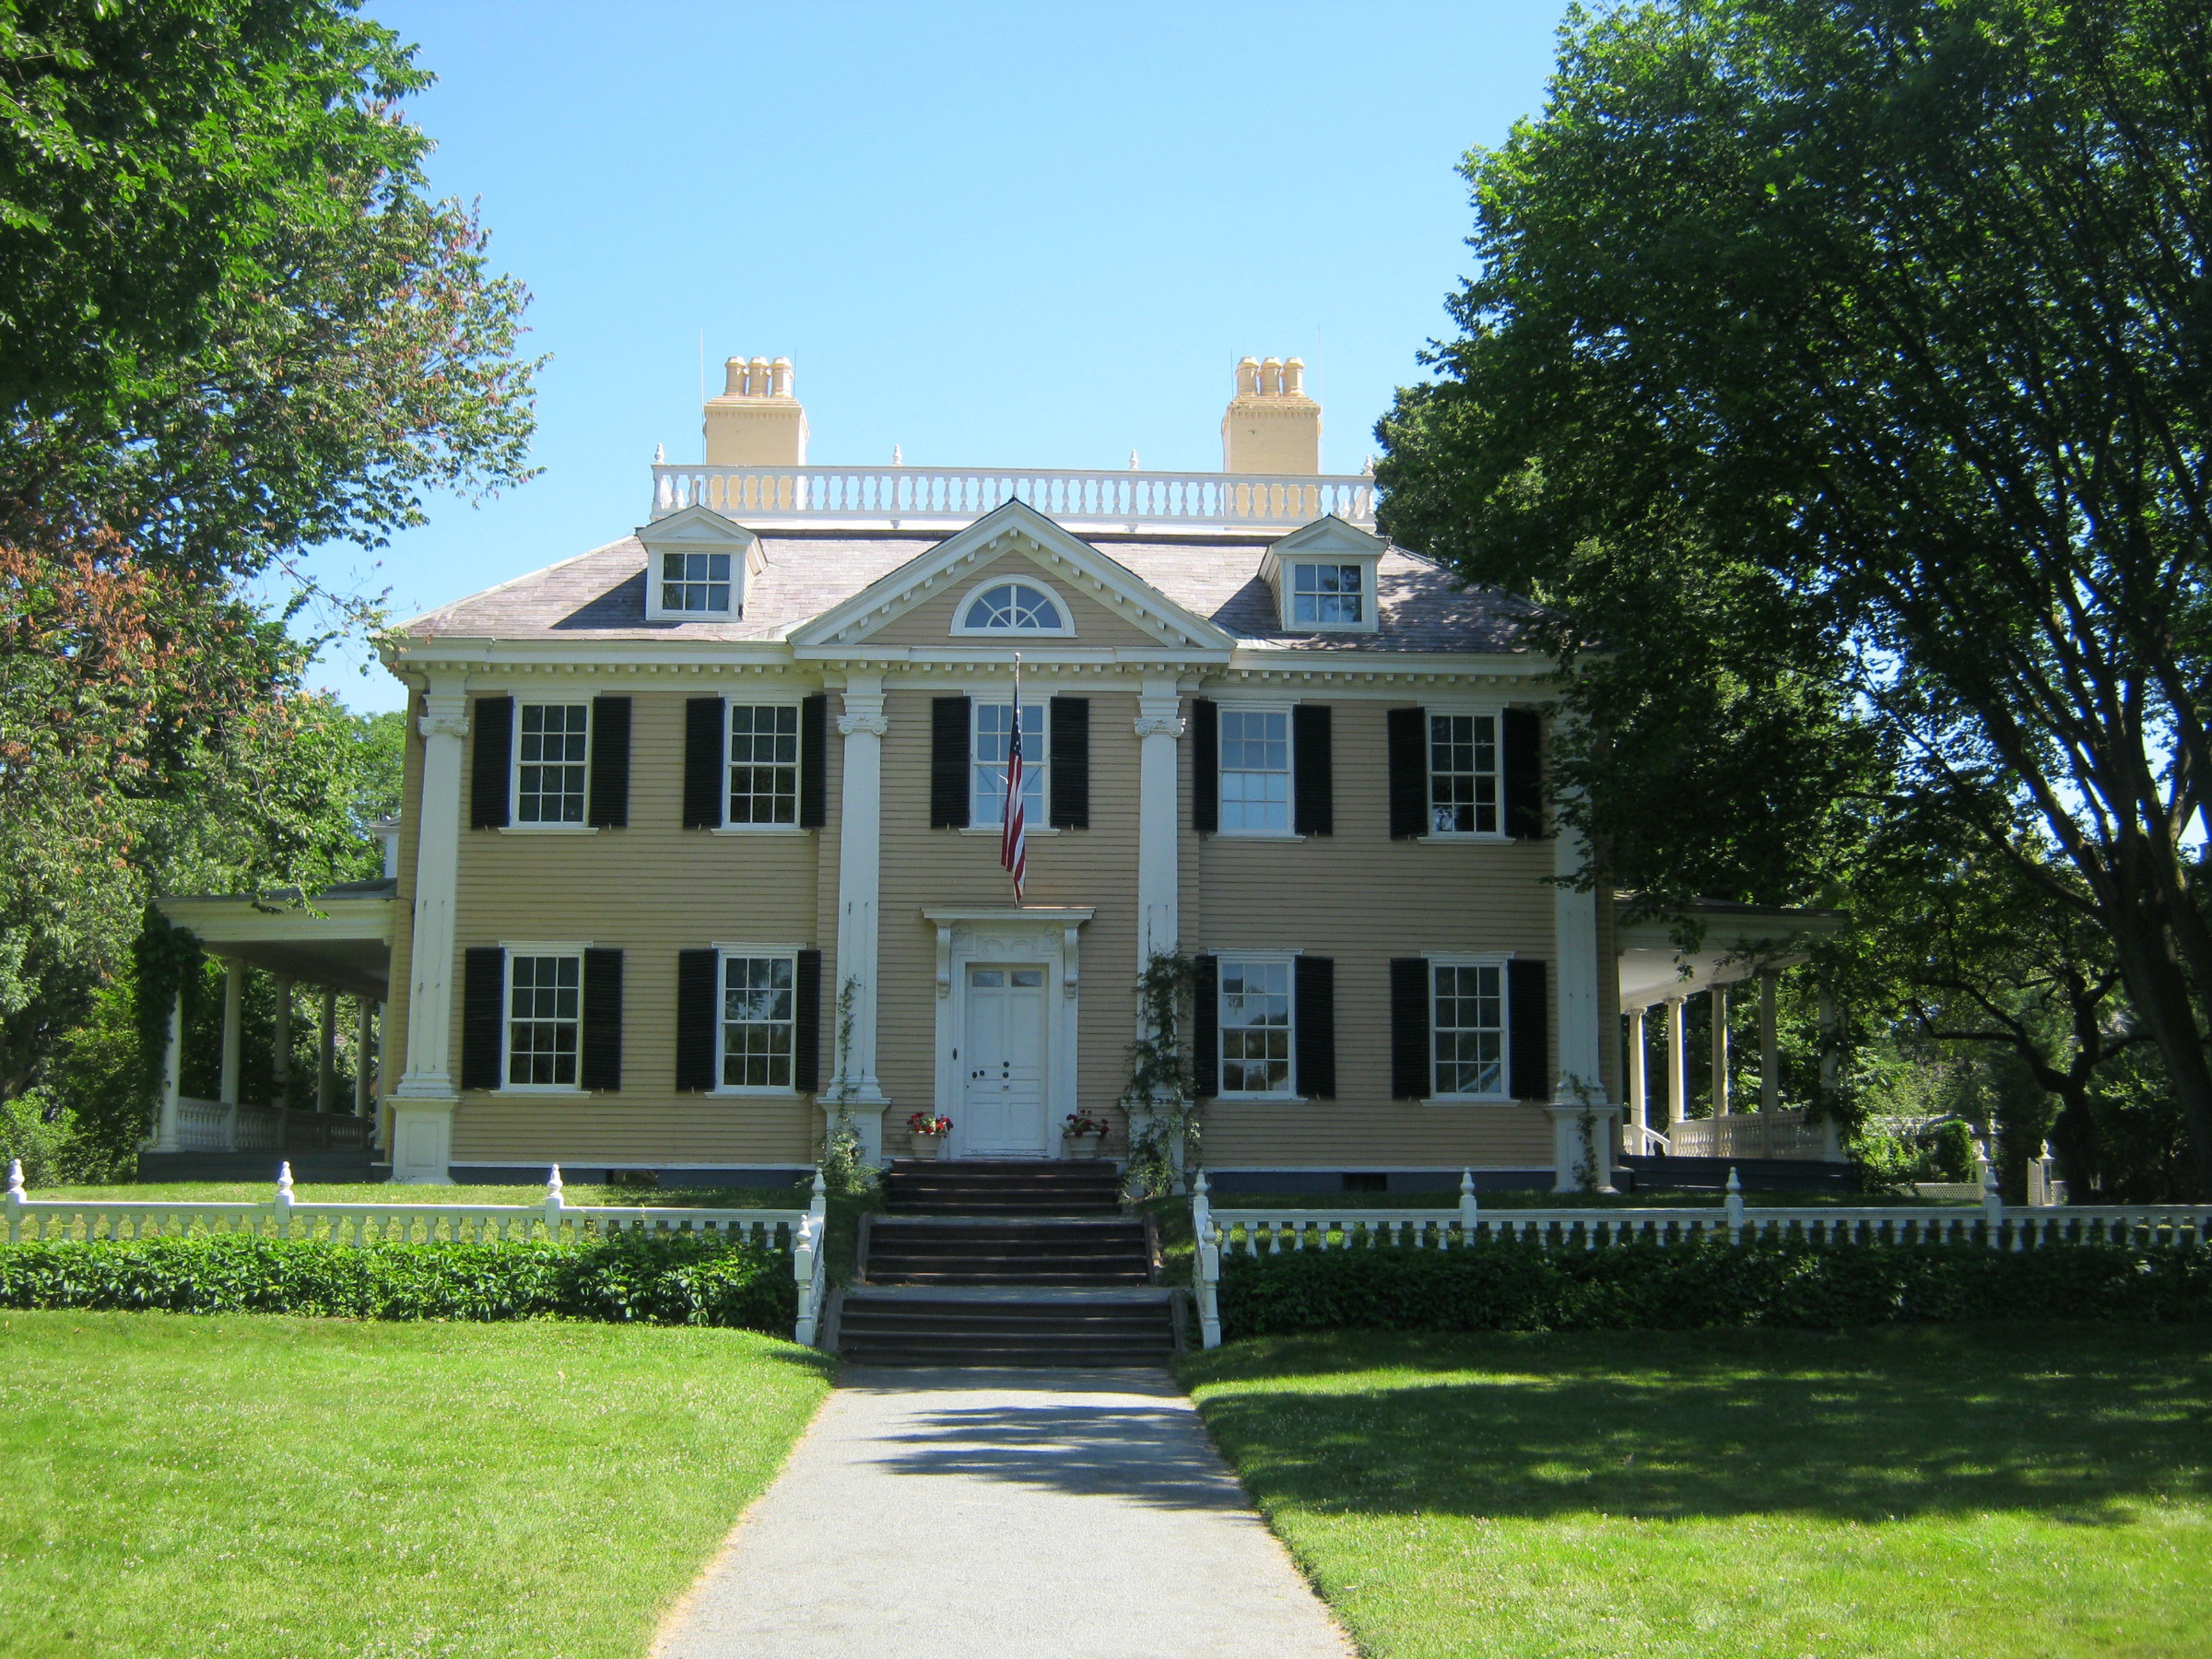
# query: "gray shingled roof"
601 595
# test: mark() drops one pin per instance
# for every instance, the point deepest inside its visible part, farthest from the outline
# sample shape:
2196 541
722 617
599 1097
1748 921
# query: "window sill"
1261 1100
733 1093
1450 837
1467 1101
997 832
549 829
570 1089
1260 835
763 829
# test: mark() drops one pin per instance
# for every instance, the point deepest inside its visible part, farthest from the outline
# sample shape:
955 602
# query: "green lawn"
261 1485
1999 1491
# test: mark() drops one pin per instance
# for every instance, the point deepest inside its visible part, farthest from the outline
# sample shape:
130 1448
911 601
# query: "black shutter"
1522 753
1206 766
1317 1025
696 971
1411 1078
1313 808
610 762
483 1015
1069 754
1408 744
491 729
949 763
814 762
706 779
1528 1017
601 1063
806 1024
1205 1025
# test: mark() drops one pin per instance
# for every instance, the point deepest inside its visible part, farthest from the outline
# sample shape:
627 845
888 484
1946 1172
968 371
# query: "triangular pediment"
695 530
1060 557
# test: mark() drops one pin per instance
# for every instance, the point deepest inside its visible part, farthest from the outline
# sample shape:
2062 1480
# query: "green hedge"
1514 1285
626 1278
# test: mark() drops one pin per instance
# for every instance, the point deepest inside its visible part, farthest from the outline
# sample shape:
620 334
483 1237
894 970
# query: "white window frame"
1038 766
515 949
1066 630
1364 568
1287 961
729 713
583 825
1290 830
1504 1095
724 954
657 582
1495 714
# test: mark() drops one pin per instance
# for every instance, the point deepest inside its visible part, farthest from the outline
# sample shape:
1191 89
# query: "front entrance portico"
1008 983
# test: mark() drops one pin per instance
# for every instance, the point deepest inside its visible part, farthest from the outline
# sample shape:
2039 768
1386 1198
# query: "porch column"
234 1037
854 1088
1158 726
280 1057
384 1072
363 1093
1720 1051
1677 1064
1574 936
1830 1061
326 1051
1770 1052
173 1071
422 1106
1638 1096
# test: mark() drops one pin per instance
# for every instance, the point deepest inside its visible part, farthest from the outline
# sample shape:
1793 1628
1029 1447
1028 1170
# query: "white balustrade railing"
286 1216
957 495
1256 1232
203 1125
1748 1134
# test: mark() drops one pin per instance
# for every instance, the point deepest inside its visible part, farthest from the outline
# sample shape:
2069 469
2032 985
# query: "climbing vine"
844 1155
1159 1095
168 957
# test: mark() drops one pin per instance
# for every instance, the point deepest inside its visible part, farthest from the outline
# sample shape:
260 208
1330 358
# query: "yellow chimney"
755 422
1272 426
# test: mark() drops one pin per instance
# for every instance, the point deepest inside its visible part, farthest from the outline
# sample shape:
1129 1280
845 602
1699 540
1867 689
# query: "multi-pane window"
993 742
1012 605
756 1015
1463 775
1468 1023
695 582
1255 1027
549 763
544 999
1322 594
764 763
1255 770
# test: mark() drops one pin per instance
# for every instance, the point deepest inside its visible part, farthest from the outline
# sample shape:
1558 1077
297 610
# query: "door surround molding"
1050 936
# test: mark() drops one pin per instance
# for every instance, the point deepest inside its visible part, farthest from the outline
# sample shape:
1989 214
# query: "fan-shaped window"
1012 605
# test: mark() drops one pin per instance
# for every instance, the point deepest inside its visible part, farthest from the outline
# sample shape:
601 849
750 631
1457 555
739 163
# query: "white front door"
1002 1063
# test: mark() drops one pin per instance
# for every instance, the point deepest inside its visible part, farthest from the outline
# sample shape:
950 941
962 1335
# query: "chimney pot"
779 378
1294 377
1248 377
732 378
1271 377
756 378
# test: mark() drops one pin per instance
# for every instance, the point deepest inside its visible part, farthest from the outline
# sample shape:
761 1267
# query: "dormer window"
998 608
1328 595
695 582
1324 578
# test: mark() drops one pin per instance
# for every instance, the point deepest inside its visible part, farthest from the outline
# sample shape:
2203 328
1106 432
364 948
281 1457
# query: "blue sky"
1037 234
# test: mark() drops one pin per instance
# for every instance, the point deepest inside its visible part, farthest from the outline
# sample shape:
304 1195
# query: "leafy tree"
1888 320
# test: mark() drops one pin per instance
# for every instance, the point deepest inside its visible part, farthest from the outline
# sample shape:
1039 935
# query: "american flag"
1013 840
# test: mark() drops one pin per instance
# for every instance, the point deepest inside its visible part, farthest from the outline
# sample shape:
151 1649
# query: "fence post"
1993 1202
15 1201
1734 1206
1209 1263
1468 1216
554 1203
284 1200
808 1255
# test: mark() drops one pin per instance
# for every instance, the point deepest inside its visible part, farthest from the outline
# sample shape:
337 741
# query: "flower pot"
1082 1145
924 1145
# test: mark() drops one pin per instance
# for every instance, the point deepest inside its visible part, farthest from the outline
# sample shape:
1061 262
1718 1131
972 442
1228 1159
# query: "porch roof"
1740 941
341 938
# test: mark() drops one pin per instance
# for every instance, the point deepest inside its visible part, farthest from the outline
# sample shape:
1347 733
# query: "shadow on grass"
2091 1425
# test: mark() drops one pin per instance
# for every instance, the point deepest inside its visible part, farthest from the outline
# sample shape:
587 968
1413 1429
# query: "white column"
173 1074
1574 925
859 866
363 1034
326 1051
1677 1107
280 1047
422 1106
1720 1051
1639 1092
1770 1050
1581 1142
383 1069
1158 726
1830 1068
234 994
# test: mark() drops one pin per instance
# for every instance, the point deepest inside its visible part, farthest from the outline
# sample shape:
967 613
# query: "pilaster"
1582 1148
1158 727
854 1088
422 1105
173 1071
1574 925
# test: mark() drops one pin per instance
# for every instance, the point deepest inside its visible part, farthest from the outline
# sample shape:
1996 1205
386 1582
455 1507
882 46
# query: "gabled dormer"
1324 577
696 566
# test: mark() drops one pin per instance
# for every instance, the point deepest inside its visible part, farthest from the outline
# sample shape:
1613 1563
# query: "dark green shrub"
1952 1147
1512 1285
624 1279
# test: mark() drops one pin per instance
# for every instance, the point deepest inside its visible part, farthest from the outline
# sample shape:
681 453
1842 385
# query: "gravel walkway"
1013 1514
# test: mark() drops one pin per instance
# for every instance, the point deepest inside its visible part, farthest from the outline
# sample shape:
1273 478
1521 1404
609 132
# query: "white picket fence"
1275 1231
285 1216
